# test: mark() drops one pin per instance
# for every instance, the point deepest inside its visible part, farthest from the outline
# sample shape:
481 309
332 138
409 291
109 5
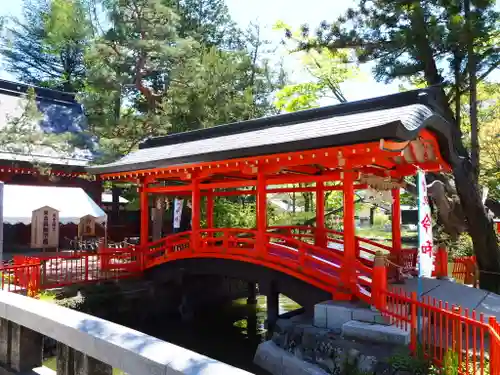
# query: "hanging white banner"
425 239
178 203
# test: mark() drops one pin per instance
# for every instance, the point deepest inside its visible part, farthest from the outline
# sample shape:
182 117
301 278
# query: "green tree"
210 91
489 136
327 70
130 69
208 22
35 55
431 41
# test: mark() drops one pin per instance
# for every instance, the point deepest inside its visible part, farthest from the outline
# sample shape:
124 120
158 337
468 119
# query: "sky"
293 13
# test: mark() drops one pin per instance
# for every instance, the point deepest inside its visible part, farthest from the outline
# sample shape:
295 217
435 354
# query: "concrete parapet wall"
94 343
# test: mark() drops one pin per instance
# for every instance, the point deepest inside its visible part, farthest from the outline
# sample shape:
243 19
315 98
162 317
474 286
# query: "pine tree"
130 69
208 22
33 54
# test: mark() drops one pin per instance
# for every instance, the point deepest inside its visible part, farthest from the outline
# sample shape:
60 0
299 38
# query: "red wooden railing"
449 337
315 265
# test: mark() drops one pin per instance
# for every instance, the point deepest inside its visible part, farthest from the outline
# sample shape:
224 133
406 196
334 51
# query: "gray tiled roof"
397 123
60 113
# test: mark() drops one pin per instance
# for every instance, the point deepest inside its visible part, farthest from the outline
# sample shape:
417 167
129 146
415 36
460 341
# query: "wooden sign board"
45 228
86 227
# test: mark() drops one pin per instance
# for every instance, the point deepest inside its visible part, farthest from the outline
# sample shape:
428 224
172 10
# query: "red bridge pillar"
396 224
210 209
261 212
348 268
319 235
195 214
144 203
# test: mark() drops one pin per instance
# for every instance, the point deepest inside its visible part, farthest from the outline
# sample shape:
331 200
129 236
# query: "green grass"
381 234
52 364
47 295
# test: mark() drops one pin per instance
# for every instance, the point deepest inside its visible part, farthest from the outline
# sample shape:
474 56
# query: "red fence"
447 336
31 274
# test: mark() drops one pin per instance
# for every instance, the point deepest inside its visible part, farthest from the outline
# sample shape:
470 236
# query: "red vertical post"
210 209
348 268
441 263
414 323
261 212
86 267
320 234
396 224
195 214
379 282
144 203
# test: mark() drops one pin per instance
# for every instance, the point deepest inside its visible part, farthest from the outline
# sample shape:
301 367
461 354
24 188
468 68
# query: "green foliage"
292 98
211 90
167 68
463 247
380 220
418 33
46 46
404 361
208 22
67 27
327 70
228 214
489 136
133 61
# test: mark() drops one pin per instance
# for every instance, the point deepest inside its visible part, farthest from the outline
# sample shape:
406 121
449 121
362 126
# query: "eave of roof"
397 117
12 157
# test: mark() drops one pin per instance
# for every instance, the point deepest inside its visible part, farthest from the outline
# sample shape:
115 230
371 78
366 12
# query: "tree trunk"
480 225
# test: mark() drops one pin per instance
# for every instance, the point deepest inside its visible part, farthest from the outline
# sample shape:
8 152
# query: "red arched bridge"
286 249
371 144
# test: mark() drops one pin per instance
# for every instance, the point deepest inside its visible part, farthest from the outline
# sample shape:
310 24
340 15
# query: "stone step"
375 332
334 315
276 361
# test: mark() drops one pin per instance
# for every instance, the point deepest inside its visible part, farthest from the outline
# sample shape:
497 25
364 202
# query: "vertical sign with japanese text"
425 240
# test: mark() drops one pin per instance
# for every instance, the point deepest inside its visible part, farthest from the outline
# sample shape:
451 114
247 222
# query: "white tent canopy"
19 202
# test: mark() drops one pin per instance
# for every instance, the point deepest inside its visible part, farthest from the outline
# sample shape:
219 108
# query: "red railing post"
441 263
141 256
379 282
195 214
100 255
492 323
414 323
348 268
144 203
86 267
319 232
358 247
396 224
210 212
302 254
261 213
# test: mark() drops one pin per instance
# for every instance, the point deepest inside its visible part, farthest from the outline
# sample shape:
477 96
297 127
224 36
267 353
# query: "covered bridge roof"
398 117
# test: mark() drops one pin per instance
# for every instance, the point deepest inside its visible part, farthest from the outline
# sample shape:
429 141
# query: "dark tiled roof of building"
60 113
397 117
